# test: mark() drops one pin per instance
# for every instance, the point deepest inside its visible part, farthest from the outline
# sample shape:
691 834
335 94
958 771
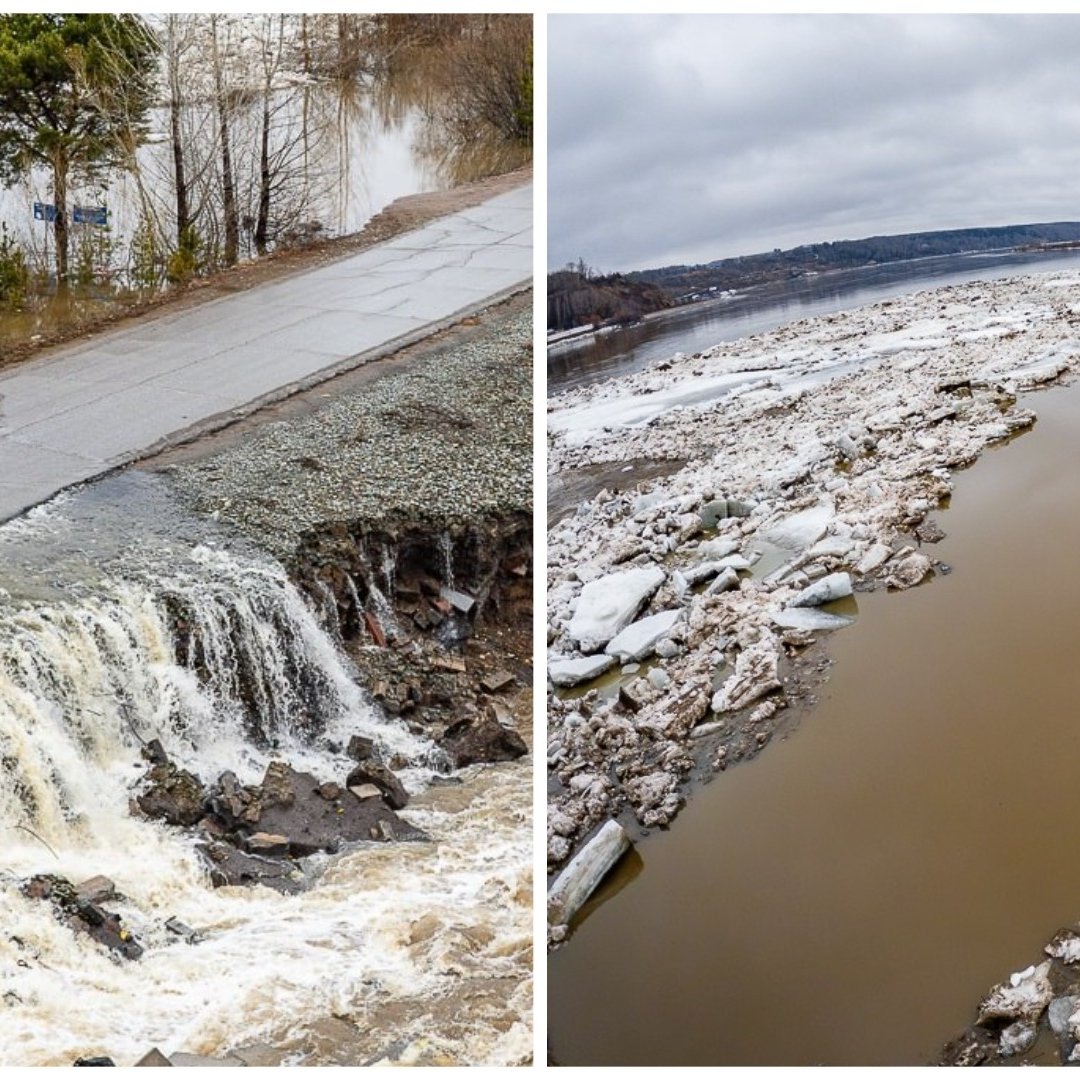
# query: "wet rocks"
290 805
252 834
73 907
380 777
482 738
228 865
172 794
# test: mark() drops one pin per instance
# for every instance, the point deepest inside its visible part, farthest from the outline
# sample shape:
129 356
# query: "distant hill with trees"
578 296
740 272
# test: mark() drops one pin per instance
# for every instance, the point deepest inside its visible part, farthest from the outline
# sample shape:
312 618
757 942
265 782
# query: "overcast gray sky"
685 138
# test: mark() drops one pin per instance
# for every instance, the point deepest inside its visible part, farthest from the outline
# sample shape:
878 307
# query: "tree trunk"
60 223
262 221
228 191
306 49
183 212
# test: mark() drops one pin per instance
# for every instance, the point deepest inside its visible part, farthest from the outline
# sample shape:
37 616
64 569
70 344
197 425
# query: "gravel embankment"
442 436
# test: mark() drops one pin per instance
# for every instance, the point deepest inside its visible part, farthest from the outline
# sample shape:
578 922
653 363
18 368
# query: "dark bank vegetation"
578 297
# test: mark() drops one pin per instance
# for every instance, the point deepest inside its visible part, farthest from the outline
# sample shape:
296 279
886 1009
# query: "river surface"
849 896
698 327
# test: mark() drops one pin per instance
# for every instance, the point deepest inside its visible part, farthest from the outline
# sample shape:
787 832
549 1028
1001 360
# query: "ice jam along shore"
817 454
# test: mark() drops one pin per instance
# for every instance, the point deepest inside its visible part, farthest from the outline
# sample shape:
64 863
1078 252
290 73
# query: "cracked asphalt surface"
84 409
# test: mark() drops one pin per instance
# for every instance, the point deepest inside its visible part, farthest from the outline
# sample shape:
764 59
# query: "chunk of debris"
497 681
153 1058
182 930
458 600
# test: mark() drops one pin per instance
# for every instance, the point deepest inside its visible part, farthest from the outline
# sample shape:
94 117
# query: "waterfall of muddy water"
88 669
849 896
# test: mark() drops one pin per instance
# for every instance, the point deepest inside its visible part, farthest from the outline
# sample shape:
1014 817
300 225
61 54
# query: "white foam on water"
85 679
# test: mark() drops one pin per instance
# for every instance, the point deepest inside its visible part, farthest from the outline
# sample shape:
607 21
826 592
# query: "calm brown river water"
848 897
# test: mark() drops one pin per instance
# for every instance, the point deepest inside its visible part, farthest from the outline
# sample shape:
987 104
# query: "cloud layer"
680 139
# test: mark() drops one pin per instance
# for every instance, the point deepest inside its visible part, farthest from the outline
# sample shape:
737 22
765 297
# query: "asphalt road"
86 408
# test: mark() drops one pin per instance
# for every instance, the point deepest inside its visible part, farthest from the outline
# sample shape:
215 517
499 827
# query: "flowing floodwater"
93 587
697 327
849 896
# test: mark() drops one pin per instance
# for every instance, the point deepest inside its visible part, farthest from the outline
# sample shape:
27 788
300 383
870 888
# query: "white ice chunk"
609 603
801 530
586 870
830 587
804 618
639 639
572 670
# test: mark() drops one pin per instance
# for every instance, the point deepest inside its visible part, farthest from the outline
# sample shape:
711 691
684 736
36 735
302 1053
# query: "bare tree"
228 188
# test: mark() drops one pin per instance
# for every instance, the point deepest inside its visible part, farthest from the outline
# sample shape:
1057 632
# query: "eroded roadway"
86 408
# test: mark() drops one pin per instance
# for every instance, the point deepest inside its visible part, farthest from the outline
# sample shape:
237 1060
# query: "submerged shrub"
14 275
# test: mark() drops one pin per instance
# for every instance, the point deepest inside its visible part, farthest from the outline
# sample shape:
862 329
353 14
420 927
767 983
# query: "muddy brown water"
849 896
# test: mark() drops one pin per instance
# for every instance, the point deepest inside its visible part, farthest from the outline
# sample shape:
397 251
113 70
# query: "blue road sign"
44 211
91 215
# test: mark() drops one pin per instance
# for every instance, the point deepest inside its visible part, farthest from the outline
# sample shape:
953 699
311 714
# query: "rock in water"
482 738
609 603
380 776
172 794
